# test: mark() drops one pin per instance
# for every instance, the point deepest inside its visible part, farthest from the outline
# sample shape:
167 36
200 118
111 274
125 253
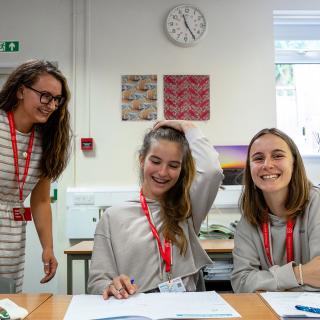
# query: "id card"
175 285
21 214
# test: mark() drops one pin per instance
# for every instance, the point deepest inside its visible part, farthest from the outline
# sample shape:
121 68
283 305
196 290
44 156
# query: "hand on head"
180 125
120 287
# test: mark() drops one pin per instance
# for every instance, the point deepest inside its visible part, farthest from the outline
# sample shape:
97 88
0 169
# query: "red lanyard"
166 253
15 154
289 240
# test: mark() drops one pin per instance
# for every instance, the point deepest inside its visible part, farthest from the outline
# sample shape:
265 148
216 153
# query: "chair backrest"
7 285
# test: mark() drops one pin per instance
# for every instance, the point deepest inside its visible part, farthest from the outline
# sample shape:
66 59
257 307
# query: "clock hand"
186 24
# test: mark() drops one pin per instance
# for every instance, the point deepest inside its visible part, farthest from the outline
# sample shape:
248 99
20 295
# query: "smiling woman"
180 177
34 138
276 240
271 165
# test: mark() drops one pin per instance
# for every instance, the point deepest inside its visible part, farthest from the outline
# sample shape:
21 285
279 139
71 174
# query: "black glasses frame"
58 100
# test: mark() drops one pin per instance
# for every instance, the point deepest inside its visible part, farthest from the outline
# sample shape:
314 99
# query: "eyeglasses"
47 97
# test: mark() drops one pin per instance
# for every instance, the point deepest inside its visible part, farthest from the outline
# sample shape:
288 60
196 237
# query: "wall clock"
185 25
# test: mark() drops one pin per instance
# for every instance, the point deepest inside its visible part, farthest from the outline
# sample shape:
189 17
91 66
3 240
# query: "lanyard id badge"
165 252
289 241
174 285
20 213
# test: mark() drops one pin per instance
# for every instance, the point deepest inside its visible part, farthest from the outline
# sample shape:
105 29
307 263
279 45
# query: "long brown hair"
56 132
252 202
175 203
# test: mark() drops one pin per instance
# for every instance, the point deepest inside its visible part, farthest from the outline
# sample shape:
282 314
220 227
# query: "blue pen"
308 309
132 280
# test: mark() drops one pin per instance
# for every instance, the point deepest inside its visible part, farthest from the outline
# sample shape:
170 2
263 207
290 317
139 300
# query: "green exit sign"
9 46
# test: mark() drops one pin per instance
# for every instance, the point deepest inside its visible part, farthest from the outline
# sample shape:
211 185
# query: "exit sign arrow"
9 46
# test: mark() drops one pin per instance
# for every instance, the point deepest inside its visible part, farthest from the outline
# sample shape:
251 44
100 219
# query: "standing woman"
154 239
277 239
34 143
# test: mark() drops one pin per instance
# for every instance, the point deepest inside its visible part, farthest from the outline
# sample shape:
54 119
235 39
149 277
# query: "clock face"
186 25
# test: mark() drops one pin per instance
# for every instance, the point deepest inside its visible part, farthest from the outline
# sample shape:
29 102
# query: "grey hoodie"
124 243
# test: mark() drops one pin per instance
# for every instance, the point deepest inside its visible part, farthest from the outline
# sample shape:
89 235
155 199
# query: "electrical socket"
83 198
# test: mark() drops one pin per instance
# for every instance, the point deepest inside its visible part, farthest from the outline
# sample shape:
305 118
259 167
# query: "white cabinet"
81 222
85 206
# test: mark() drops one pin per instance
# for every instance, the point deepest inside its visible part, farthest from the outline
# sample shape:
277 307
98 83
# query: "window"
297 76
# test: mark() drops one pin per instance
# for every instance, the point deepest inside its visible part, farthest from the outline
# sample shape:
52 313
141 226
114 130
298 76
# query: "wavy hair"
252 202
56 132
175 203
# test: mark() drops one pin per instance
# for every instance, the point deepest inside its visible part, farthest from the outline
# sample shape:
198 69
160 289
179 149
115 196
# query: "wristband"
300 275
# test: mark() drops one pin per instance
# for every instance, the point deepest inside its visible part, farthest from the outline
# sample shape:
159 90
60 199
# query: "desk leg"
69 274
86 275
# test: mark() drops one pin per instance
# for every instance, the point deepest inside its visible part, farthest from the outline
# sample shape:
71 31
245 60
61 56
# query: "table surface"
26 300
210 245
249 305
53 309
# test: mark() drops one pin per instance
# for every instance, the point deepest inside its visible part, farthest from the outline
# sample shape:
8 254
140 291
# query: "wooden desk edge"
50 295
268 305
209 245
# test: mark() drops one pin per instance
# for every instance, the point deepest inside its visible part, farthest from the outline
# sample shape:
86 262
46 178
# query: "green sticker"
4 314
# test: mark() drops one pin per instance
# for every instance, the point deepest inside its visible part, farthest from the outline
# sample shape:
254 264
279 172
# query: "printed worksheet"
178 305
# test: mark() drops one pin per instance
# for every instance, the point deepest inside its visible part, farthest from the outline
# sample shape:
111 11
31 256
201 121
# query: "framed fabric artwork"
186 97
139 97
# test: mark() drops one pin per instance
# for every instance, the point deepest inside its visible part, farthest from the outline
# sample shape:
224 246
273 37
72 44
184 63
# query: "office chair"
7 285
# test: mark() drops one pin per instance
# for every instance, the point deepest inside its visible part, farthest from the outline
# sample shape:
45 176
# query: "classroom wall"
95 42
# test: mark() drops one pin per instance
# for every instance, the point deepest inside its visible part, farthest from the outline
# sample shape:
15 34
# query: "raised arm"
208 171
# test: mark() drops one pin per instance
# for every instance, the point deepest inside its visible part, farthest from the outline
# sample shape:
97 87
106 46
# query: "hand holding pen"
121 287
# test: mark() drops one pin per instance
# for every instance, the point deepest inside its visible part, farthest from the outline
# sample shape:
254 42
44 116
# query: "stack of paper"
218 270
284 304
216 231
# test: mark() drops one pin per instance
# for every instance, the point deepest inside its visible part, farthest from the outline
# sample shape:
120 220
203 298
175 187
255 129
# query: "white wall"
109 38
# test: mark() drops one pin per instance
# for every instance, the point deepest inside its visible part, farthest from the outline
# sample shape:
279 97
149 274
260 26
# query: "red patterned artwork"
186 97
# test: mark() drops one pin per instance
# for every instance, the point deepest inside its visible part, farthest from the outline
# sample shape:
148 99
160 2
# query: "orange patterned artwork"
139 97
186 97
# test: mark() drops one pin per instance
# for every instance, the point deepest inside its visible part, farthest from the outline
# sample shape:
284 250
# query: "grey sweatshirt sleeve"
103 266
208 175
251 272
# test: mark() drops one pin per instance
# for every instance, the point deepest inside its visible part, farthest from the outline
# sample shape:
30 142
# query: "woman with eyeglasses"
34 142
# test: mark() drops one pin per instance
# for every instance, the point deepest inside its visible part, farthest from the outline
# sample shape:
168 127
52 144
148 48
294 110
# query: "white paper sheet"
283 303
180 305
